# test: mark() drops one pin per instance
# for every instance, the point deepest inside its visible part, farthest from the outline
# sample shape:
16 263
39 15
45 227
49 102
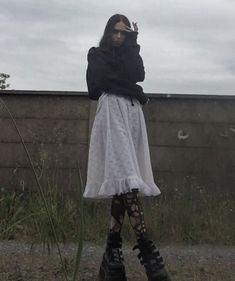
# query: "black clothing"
116 71
150 257
112 266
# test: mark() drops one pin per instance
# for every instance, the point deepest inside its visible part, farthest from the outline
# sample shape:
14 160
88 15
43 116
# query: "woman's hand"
135 27
123 27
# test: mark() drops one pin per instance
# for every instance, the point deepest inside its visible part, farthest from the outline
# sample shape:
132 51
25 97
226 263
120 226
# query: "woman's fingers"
128 29
135 26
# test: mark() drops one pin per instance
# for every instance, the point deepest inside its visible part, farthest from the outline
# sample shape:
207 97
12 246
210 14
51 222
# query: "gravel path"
176 253
197 263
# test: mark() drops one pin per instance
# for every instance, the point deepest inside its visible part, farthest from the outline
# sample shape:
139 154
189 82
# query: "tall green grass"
12 219
201 219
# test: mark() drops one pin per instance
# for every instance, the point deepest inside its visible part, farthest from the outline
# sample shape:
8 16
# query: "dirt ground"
21 262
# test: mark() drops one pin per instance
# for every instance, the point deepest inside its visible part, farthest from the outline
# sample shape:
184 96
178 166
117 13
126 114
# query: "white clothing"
119 158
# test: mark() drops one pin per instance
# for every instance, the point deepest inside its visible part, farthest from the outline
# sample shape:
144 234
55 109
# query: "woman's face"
119 33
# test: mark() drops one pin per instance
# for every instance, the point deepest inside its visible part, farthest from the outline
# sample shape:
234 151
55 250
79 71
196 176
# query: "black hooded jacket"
116 71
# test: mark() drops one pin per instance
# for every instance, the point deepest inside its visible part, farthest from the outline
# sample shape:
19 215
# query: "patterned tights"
127 202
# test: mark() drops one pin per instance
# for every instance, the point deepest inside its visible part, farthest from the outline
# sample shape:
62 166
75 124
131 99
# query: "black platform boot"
150 257
112 267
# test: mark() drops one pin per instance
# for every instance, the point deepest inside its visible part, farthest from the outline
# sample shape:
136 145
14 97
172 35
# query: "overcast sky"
188 46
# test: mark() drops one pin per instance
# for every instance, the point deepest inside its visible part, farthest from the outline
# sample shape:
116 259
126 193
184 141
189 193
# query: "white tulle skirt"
119 158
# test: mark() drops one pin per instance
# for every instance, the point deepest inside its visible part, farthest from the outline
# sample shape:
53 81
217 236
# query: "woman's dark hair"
106 40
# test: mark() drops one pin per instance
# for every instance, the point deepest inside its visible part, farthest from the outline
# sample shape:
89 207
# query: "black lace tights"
127 202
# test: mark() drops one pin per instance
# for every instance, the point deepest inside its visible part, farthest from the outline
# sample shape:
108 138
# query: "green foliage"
3 78
11 210
49 208
204 219
195 216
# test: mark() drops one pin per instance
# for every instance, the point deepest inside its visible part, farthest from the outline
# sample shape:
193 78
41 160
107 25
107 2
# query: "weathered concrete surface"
191 138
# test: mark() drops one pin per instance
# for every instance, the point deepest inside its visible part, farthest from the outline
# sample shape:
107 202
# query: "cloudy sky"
188 46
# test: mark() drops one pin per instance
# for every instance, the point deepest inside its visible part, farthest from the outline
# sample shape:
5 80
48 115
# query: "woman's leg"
135 212
117 214
112 267
149 256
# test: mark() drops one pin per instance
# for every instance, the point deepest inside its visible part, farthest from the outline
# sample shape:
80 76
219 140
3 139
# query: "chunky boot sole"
107 276
115 274
160 276
150 257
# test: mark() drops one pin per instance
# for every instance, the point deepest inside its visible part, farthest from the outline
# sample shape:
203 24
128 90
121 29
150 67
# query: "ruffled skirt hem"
109 188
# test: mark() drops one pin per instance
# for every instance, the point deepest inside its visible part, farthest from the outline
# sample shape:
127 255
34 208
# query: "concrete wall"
192 139
192 142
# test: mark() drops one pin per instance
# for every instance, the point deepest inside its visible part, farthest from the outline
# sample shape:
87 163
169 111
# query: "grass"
47 208
201 219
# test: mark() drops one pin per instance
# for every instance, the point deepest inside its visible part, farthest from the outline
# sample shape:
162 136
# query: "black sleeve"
101 76
94 91
132 63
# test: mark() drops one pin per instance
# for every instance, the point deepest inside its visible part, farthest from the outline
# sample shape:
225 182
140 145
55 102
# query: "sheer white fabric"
119 158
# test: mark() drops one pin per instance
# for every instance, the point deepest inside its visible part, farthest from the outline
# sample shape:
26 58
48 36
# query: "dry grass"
177 220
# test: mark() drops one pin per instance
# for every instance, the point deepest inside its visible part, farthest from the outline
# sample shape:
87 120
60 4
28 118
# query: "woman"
119 165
